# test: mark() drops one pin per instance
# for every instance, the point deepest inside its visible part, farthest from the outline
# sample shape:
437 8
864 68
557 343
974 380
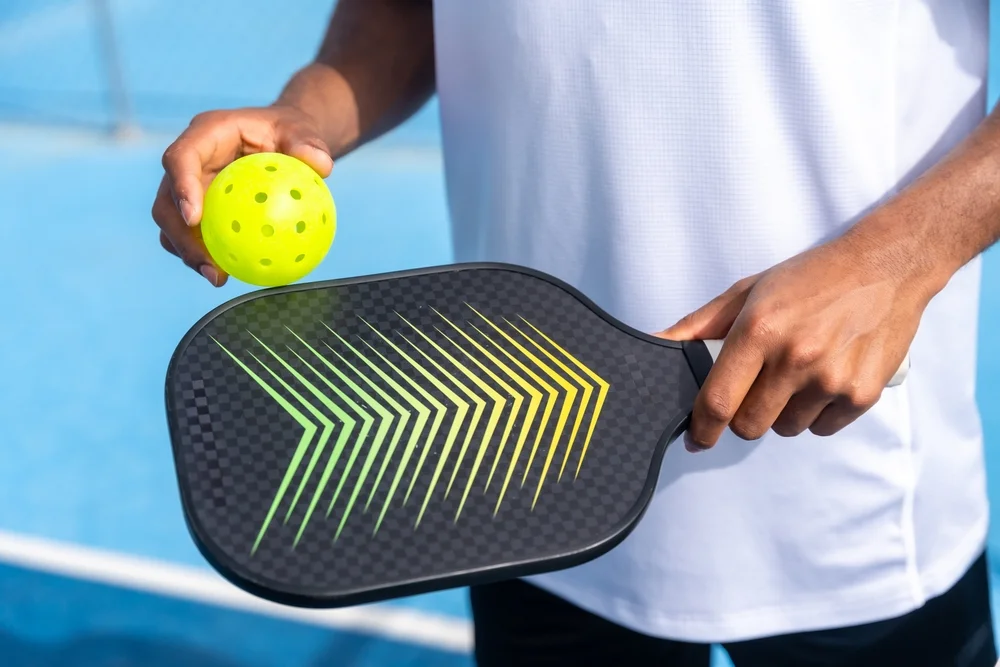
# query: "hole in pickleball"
236 225
271 167
229 188
300 226
316 181
265 262
233 257
300 258
295 194
267 230
324 218
260 197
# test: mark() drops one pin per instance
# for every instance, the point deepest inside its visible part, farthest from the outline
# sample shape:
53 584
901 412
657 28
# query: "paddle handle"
715 346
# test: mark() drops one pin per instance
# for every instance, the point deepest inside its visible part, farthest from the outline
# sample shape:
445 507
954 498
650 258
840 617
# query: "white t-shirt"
651 153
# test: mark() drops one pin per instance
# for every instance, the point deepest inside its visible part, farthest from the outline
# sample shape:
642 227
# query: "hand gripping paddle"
351 441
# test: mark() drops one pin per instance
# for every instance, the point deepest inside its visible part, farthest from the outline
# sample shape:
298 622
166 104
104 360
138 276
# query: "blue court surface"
96 565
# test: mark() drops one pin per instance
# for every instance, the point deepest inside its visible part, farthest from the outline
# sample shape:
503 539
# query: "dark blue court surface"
99 567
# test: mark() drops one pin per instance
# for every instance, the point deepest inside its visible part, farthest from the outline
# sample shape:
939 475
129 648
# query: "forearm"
945 218
375 68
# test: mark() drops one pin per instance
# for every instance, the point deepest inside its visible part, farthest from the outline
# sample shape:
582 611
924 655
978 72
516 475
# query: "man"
824 165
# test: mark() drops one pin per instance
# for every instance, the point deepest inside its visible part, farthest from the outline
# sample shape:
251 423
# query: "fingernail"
211 275
690 445
186 211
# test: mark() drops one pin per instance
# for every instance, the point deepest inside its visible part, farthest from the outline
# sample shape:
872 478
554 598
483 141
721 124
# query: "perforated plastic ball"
268 219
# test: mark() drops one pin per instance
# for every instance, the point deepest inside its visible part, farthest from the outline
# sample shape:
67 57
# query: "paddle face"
346 442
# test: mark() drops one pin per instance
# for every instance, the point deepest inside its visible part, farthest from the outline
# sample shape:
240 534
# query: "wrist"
892 247
324 95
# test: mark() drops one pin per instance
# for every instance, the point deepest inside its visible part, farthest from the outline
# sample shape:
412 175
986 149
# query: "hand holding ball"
268 219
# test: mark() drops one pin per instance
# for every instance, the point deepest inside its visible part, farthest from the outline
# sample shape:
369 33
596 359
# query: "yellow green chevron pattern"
457 396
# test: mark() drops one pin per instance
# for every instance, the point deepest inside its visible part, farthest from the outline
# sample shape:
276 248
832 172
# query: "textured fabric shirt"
653 152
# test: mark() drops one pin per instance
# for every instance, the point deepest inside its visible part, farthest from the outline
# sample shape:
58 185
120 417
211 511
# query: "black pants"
520 625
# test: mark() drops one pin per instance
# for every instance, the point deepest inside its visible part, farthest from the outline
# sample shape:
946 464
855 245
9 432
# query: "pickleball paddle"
349 441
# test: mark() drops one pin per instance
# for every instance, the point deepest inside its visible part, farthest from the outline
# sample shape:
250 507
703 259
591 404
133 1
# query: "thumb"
306 146
711 321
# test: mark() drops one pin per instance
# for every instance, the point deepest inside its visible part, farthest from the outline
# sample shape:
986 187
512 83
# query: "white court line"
418 627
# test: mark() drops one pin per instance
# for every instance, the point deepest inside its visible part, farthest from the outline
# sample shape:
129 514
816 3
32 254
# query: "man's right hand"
212 141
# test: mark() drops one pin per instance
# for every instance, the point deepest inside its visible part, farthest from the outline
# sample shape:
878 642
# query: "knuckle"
171 156
803 354
759 326
831 382
861 398
717 407
746 429
156 210
161 209
787 429
824 430
209 116
742 284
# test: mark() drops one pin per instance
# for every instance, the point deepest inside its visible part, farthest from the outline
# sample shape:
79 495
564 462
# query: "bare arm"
945 218
374 69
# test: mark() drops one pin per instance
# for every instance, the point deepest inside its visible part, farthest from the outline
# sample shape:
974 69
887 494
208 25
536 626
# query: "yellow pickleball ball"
268 219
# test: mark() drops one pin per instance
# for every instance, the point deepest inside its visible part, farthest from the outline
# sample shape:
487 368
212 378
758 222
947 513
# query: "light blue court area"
96 565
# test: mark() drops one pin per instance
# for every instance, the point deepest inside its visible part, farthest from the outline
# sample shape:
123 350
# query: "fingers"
208 144
763 405
180 239
801 411
167 245
723 393
714 319
188 163
842 412
183 174
785 388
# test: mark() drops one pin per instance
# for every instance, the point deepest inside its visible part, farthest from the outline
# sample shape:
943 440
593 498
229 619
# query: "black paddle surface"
357 440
